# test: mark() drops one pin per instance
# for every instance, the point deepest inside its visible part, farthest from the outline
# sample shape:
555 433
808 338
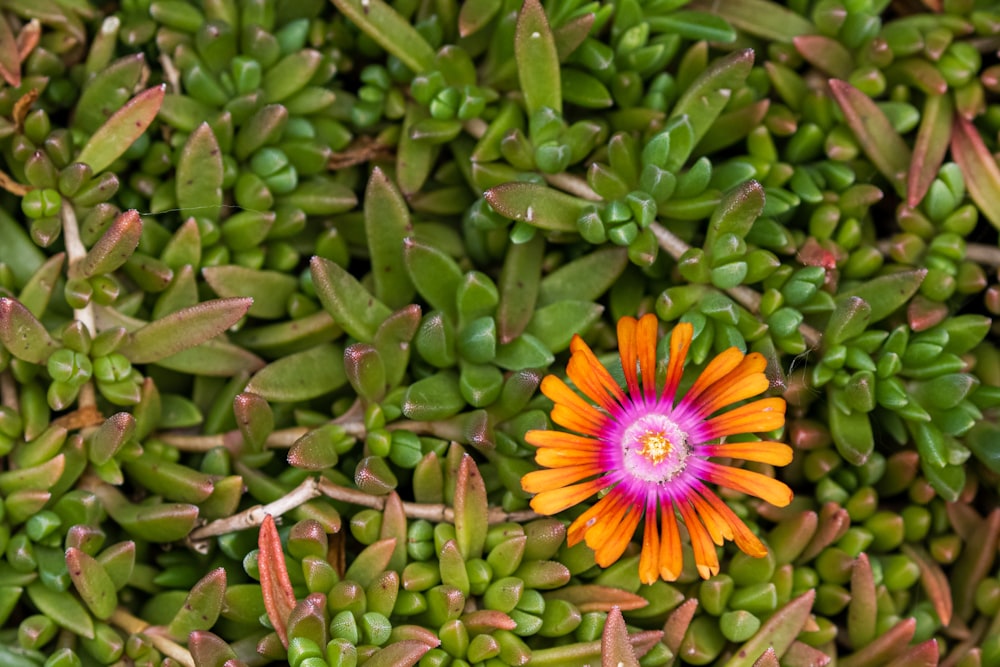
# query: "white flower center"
655 448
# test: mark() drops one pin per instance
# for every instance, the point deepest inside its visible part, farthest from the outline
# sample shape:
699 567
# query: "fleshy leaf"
391 31
183 329
22 334
931 146
875 133
301 376
536 205
270 290
537 59
348 302
979 168
199 174
706 97
616 650
114 247
119 132
279 600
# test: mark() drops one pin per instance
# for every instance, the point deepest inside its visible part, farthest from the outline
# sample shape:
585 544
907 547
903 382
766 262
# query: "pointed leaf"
213 358
119 132
405 653
537 59
616 650
348 302
114 247
387 223
875 133
202 606
295 377
270 290
862 612
391 31
537 205
519 279
10 58
22 334
371 562
470 510
707 95
92 583
199 174
279 599
769 20
183 329
591 597
979 168
63 608
930 147
778 632
934 581
887 293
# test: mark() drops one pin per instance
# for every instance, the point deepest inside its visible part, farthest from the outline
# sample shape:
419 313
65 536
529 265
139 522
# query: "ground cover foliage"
311 260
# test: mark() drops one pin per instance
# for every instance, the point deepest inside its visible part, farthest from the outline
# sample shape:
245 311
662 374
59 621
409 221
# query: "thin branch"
75 253
254 516
134 626
428 512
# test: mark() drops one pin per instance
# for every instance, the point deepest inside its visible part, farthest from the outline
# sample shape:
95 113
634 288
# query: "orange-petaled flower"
651 450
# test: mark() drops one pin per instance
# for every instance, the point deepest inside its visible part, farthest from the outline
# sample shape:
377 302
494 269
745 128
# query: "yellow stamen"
655 446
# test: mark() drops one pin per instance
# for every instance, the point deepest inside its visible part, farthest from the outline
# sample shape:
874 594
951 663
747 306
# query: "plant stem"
75 253
434 513
254 516
133 626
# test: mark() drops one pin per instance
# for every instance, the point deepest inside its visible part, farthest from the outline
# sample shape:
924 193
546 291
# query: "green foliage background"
317 257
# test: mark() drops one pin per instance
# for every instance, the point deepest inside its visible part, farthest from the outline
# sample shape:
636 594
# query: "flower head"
650 451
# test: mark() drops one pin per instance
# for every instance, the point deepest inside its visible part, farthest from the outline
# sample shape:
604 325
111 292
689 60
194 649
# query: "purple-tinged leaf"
875 133
616 650
930 147
183 329
825 53
22 334
979 168
119 132
114 247
279 599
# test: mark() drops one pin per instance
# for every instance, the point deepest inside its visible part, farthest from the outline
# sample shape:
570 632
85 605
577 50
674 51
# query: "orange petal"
717 368
556 500
649 559
748 543
775 453
746 481
612 548
560 440
605 509
746 381
628 350
766 414
559 458
680 343
704 551
582 352
563 396
671 555
608 519
646 346
569 418
717 528
582 376
554 478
